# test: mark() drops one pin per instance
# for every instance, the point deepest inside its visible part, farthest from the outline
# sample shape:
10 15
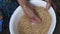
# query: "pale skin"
29 11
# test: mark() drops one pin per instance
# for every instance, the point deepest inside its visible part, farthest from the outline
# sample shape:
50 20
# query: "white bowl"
19 12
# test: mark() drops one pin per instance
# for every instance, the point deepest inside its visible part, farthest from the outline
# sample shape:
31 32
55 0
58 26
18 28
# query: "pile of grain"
26 27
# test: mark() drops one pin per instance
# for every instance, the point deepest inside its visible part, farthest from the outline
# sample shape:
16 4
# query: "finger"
36 20
48 5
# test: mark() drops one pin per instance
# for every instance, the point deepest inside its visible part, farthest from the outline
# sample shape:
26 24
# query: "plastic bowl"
19 12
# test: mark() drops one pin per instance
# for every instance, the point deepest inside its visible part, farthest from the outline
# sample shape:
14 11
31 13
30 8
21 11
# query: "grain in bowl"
25 26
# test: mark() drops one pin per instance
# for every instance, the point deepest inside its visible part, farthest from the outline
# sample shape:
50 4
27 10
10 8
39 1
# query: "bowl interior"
19 12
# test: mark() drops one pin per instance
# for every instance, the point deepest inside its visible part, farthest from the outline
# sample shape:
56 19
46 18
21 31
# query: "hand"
22 2
29 11
48 4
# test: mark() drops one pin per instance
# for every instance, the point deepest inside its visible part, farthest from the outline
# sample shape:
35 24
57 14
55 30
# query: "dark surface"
57 29
5 32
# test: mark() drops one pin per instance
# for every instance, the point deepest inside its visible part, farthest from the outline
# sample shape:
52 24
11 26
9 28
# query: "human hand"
29 11
22 2
48 4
